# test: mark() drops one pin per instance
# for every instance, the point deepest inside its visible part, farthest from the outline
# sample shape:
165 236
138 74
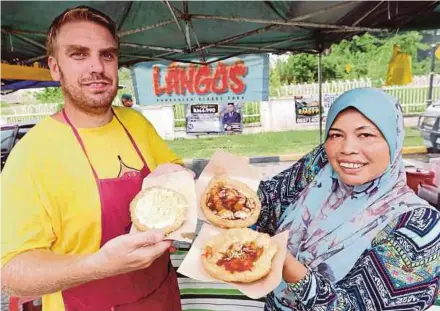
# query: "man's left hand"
169 168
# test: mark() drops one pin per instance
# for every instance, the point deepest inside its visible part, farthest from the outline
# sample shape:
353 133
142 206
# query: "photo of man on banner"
232 121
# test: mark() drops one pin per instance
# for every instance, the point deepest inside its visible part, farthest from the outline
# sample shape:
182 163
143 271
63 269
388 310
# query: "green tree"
50 95
274 81
367 56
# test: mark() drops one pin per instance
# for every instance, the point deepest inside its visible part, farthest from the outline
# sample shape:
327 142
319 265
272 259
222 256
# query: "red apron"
154 288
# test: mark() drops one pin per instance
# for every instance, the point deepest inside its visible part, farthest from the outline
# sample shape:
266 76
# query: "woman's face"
356 148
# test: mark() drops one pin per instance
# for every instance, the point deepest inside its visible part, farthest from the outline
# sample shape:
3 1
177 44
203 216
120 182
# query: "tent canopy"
185 30
10 86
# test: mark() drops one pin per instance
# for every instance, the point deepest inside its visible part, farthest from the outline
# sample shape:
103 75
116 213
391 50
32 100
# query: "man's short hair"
78 14
232 104
126 97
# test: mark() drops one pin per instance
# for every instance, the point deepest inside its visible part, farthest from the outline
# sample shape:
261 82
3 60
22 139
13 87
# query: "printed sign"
241 78
214 118
307 107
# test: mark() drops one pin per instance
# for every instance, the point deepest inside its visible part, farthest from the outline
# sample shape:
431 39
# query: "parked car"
429 126
11 135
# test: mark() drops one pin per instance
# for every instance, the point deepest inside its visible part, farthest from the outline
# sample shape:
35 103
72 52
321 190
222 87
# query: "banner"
307 107
241 78
214 118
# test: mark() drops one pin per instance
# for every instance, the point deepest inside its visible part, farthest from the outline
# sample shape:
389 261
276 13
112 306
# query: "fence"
23 113
334 87
412 97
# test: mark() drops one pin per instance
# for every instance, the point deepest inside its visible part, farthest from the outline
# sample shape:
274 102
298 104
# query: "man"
127 101
231 117
68 183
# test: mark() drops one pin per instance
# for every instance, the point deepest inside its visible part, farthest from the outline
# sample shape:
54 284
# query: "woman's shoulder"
415 233
422 221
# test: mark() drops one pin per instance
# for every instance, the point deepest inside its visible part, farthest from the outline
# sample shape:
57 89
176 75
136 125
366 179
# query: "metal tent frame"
192 31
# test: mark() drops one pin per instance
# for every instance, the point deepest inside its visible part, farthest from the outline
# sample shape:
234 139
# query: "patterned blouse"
400 271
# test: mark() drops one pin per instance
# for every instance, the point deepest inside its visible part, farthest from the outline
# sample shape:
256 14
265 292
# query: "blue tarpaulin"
9 86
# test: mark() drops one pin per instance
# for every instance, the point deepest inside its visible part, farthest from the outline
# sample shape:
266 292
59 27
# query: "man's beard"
95 105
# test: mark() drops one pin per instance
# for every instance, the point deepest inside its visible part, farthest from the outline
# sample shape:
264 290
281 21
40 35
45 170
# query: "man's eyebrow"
111 49
74 47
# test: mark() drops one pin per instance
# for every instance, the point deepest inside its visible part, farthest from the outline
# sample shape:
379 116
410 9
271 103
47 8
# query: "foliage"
274 80
50 95
366 55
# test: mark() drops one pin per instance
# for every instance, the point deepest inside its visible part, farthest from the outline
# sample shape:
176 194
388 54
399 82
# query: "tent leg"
431 77
320 94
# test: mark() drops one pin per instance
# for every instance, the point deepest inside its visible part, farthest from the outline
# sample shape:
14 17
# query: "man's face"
85 61
230 108
127 102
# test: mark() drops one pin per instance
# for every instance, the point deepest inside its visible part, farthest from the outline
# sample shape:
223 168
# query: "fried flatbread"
228 203
158 208
239 255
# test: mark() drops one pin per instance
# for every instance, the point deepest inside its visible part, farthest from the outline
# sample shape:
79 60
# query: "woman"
359 238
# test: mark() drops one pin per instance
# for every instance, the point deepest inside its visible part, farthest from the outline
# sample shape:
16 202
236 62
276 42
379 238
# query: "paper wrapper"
232 166
192 265
183 183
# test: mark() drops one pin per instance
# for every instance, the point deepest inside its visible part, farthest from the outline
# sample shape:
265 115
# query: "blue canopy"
10 86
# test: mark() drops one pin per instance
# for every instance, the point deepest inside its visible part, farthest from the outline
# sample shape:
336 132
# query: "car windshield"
428 122
6 137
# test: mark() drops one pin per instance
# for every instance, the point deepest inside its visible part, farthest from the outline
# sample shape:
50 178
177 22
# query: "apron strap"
78 138
131 139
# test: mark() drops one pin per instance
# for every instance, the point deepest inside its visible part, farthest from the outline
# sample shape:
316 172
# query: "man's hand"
130 252
40 272
168 168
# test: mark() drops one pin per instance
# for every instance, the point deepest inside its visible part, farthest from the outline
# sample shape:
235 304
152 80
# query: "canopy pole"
320 94
234 38
431 75
150 47
146 28
285 23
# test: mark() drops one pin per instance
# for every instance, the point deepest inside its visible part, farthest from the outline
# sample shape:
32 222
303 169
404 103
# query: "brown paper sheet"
234 167
192 265
183 183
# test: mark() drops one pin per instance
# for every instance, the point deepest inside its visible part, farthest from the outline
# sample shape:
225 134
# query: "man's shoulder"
131 117
128 113
42 132
35 144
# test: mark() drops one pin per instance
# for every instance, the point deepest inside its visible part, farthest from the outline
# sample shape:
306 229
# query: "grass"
264 144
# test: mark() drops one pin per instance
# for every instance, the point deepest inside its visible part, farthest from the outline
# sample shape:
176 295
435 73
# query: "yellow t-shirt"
49 196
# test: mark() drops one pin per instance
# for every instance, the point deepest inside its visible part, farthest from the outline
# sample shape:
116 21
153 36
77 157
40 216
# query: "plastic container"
416 176
435 165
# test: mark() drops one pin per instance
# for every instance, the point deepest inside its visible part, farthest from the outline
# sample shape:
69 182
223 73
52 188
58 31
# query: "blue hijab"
332 224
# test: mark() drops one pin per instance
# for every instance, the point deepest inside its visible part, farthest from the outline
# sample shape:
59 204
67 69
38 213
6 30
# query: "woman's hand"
293 270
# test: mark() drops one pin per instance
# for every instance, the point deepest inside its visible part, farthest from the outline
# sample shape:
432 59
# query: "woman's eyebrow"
364 127
335 129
